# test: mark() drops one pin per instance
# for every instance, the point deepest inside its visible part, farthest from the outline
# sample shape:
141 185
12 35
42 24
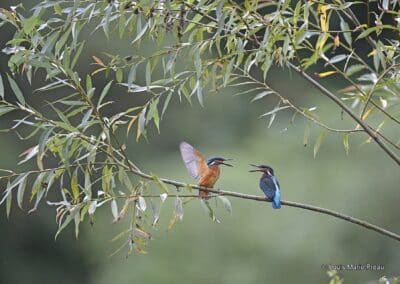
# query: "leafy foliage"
226 42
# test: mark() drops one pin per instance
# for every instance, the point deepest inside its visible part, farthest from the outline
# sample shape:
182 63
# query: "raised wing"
193 159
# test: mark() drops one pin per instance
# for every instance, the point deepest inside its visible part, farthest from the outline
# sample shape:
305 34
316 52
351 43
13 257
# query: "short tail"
276 201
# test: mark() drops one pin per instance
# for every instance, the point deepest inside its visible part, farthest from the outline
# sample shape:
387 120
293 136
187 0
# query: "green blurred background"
254 245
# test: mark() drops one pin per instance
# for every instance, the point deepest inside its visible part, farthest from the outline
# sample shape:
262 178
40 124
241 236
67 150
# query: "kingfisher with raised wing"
269 185
205 171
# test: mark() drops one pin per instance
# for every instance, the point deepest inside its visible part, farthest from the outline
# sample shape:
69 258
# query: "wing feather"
268 187
194 161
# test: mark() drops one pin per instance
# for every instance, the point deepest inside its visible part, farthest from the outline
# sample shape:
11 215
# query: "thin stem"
313 208
221 192
300 111
371 92
365 95
329 94
365 126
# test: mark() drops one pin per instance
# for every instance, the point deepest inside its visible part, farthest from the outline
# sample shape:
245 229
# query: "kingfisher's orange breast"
210 177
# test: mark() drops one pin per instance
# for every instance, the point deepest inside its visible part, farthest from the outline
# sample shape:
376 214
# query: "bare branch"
321 210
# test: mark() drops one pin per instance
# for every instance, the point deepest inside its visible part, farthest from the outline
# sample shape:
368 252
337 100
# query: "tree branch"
343 106
320 210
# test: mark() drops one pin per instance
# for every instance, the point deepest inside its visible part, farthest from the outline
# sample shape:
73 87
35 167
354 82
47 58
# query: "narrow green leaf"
261 95
228 72
161 184
247 91
319 141
75 186
4 110
141 123
306 135
61 42
141 33
367 32
120 235
77 54
199 93
220 16
106 22
119 75
226 202
104 93
385 5
132 76
89 83
178 208
62 116
172 223
16 90
68 220
8 204
48 46
88 184
346 143
209 210
1 88
92 207
153 112
347 35
141 204
166 102
106 179
197 64
196 19
376 60
353 69
337 58
121 25
275 110
21 190
124 178
77 220
9 187
29 24
114 209
57 9
156 212
148 75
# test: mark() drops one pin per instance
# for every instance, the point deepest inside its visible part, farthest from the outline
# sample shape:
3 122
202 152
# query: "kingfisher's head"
216 161
263 168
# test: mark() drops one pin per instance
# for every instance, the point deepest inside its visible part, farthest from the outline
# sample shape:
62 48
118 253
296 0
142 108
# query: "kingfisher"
269 185
205 171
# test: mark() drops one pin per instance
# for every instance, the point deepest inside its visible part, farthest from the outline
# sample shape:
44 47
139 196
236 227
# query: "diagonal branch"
344 107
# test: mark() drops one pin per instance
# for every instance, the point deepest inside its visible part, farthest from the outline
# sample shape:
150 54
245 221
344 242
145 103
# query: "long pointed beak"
226 164
255 170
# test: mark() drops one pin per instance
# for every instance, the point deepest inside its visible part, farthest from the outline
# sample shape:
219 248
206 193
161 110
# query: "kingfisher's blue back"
270 186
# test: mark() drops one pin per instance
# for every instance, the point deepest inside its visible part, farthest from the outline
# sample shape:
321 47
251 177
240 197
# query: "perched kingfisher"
206 172
269 185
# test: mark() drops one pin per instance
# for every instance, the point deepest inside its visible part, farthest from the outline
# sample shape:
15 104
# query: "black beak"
256 170
226 164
